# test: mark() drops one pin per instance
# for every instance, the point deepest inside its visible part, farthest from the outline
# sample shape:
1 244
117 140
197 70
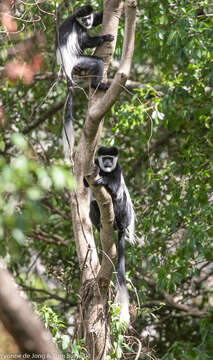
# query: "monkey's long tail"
68 136
122 296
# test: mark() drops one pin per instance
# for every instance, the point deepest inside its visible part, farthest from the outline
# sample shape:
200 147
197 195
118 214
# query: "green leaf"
19 140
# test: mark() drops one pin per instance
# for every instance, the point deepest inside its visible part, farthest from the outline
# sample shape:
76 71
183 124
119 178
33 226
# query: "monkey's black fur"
71 26
113 183
71 41
112 179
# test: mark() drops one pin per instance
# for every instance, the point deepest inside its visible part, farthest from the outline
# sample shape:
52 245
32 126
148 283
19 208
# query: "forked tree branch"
95 298
95 114
84 155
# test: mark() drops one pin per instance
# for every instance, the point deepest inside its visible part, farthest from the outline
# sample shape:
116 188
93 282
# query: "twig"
169 300
49 113
51 295
42 235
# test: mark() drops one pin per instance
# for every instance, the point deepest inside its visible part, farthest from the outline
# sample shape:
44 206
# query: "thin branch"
169 300
42 235
50 295
54 209
154 145
48 75
49 113
205 15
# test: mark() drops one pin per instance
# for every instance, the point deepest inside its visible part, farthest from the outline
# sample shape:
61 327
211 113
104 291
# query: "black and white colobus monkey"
71 41
111 177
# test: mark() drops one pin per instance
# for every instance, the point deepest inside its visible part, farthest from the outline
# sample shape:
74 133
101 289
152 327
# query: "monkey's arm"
98 17
96 171
111 188
94 41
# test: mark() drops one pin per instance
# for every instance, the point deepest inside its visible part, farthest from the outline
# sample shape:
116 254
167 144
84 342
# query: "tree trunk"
96 276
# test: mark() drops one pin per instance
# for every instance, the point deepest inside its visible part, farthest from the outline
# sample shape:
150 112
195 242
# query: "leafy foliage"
163 128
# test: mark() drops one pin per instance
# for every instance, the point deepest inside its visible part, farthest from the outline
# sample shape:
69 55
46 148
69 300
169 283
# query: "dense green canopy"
163 126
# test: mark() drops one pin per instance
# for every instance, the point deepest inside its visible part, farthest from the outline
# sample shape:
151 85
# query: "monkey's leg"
95 67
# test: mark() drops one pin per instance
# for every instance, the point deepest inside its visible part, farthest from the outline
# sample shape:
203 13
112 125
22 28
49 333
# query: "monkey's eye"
107 157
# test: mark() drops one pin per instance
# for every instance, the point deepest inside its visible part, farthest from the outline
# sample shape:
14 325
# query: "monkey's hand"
98 182
108 37
104 86
95 172
101 181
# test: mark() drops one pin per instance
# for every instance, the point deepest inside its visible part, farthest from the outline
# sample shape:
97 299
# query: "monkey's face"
86 21
107 163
